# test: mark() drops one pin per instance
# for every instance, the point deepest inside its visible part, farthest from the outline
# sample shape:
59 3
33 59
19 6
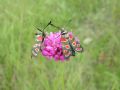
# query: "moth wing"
36 47
35 50
75 43
66 47
78 47
67 53
38 38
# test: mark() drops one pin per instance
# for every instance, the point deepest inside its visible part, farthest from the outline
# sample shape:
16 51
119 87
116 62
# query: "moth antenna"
54 25
61 29
44 27
39 29
47 25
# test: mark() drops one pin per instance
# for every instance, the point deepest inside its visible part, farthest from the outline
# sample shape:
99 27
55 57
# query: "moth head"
63 31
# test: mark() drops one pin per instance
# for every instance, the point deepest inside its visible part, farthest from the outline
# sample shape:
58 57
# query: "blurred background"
95 22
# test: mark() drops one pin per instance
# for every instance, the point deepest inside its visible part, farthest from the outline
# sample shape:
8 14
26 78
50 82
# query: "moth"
39 39
70 44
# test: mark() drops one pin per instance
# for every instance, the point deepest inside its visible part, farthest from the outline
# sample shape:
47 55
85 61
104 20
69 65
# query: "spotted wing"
35 50
78 47
38 37
37 46
75 43
66 47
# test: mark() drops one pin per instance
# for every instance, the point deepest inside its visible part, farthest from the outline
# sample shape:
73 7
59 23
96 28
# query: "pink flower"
52 47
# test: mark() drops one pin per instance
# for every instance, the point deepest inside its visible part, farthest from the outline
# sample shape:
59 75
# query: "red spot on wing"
67 46
39 45
36 49
67 55
39 38
70 36
64 51
78 45
63 39
78 49
74 43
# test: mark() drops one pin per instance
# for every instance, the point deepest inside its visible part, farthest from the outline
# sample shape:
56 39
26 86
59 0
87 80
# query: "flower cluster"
52 47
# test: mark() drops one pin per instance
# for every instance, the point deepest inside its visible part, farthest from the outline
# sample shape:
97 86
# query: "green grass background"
97 68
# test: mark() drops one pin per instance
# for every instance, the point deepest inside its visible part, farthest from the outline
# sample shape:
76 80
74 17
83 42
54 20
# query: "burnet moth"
39 39
70 44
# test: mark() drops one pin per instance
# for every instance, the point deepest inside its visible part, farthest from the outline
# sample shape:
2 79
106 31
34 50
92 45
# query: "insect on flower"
39 38
70 44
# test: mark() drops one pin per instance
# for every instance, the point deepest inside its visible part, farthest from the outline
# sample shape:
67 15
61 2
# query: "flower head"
52 47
